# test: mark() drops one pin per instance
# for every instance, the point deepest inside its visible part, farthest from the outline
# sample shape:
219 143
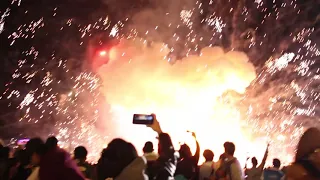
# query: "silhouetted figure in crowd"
36 149
4 162
121 162
220 162
13 164
188 165
149 152
151 157
56 163
229 166
25 157
24 169
134 170
307 161
255 172
51 143
80 156
207 168
165 166
273 173
115 158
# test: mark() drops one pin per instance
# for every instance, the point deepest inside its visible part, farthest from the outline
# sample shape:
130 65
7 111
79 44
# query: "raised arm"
245 166
166 163
197 154
261 166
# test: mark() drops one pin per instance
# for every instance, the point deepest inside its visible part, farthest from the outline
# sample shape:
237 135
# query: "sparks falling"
58 85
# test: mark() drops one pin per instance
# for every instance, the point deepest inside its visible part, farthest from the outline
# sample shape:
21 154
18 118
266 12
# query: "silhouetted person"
24 169
56 163
165 166
273 173
4 162
36 148
151 157
116 158
80 156
25 157
135 170
188 164
207 168
149 152
255 172
52 143
307 161
229 166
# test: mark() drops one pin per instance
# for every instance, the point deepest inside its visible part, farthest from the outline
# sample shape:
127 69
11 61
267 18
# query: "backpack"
224 170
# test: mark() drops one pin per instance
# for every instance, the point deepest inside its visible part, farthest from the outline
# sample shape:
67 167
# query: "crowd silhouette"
40 160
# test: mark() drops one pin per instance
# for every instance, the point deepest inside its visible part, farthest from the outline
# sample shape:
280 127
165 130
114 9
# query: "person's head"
52 142
35 148
276 163
229 148
118 154
80 153
308 150
165 146
185 151
148 147
120 151
33 144
131 152
222 156
254 161
208 155
104 154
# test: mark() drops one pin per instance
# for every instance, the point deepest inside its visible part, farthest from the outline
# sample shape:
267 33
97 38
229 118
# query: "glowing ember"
103 53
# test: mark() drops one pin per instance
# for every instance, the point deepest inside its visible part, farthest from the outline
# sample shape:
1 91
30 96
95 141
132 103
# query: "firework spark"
50 88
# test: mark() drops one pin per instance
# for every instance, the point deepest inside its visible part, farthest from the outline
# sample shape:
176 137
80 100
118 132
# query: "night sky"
36 36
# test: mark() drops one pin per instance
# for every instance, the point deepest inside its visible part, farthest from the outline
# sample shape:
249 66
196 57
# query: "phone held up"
143 119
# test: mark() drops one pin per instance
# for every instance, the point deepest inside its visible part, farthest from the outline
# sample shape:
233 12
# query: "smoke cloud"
138 79
185 96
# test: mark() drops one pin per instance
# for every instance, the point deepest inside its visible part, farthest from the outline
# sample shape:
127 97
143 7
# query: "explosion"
185 96
242 71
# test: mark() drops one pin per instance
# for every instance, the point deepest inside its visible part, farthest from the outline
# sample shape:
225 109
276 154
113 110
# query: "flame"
138 79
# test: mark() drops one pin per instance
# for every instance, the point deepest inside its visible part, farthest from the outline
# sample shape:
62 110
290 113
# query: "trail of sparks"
290 104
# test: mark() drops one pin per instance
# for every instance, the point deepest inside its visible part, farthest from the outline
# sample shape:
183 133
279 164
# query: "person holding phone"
165 166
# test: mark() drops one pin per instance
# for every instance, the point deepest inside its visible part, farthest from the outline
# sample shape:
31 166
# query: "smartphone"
143 119
22 142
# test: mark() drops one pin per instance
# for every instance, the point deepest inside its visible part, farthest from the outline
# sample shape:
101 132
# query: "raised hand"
156 125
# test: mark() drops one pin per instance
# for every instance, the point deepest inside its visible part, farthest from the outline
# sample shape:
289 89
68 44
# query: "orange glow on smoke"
185 96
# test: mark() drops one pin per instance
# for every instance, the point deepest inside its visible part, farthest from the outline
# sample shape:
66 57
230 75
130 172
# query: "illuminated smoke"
138 79
278 105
